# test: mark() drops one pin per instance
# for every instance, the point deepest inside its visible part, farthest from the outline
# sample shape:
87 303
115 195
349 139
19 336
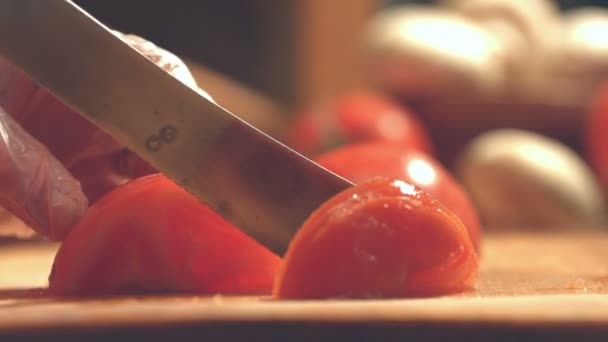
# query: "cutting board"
532 286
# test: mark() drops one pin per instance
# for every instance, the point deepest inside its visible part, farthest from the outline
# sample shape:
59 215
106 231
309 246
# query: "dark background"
251 41
248 40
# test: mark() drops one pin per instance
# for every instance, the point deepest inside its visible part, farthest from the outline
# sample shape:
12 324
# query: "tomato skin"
150 235
596 144
357 116
382 238
362 161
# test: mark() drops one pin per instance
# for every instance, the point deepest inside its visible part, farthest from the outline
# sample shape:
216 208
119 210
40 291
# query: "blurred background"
293 51
311 73
299 53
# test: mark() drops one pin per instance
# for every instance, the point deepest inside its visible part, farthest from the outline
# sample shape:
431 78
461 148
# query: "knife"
261 186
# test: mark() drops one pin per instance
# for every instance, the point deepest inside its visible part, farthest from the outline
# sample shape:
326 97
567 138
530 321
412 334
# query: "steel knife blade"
264 188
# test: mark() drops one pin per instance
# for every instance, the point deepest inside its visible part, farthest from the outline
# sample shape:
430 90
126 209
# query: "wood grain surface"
532 286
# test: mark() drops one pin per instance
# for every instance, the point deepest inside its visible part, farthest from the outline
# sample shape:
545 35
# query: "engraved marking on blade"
153 143
166 135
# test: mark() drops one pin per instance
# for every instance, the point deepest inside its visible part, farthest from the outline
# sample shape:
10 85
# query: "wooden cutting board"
533 286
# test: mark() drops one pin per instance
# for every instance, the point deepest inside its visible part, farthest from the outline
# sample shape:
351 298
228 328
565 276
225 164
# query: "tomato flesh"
150 235
383 238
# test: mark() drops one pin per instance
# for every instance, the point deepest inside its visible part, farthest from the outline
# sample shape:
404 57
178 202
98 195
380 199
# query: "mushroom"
582 61
529 31
523 179
423 51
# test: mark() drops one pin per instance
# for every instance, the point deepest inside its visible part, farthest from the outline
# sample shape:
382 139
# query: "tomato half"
383 238
150 235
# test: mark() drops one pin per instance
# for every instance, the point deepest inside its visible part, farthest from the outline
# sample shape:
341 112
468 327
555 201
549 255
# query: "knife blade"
261 186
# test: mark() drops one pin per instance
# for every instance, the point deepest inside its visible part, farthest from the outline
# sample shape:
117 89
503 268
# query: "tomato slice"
150 235
362 161
382 238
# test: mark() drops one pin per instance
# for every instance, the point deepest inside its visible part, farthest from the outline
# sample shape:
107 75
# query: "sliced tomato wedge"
362 161
383 238
150 235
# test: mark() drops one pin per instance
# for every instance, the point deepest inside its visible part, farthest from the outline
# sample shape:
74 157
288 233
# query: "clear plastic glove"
34 185
49 190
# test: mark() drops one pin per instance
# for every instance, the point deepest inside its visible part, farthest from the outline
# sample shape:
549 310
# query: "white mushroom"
529 30
424 51
583 56
519 178
586 40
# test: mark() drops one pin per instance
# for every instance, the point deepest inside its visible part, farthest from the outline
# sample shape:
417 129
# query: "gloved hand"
53 162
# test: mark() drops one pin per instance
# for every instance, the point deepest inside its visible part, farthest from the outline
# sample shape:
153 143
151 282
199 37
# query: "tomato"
382 238
91 155
150 235
596 144
362 161
356 116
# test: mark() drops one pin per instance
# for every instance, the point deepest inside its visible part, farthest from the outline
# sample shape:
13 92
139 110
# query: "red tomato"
383 238
596 142
90 154
150 235
357 116
362 161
